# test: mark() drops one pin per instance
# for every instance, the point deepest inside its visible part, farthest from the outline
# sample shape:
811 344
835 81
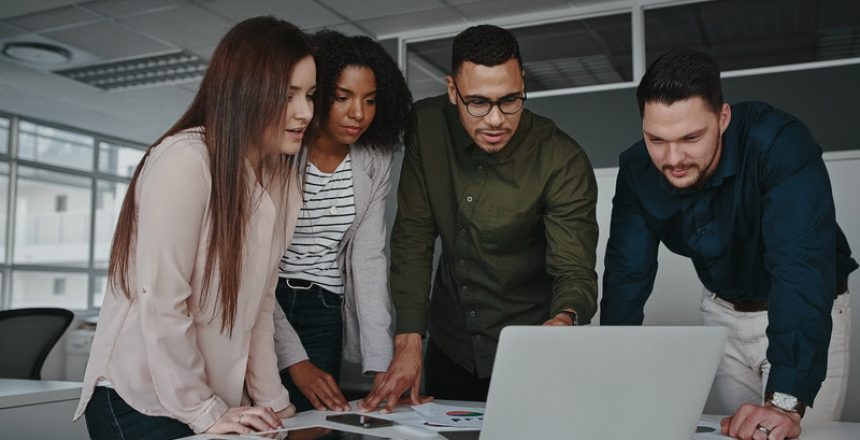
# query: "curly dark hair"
486 45
334 52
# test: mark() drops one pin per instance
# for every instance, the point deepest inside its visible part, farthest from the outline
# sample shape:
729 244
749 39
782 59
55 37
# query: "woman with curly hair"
333 284
184 339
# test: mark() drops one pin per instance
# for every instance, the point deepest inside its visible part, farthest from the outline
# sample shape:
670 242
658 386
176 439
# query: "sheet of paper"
448 415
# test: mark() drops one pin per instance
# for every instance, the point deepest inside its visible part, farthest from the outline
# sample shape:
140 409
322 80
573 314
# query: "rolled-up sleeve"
172 202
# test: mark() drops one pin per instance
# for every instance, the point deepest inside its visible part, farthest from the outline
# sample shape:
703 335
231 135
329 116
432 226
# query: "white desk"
33 409
824 431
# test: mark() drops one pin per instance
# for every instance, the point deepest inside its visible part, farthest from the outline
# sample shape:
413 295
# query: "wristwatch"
785 402
572 316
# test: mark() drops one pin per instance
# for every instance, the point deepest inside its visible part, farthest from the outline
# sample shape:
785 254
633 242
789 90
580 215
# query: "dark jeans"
315 313
109 417
445 379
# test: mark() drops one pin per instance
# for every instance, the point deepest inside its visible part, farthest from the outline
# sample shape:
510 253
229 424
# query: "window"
118 159
741 34
43 236
32 288
4 135
110 196
59 286
60 204
54 146
59 251
575 53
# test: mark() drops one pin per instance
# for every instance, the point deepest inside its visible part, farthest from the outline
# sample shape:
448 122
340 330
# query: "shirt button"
472 313
712 264
702 231
478 338
465 288
469 199
480 168
462 262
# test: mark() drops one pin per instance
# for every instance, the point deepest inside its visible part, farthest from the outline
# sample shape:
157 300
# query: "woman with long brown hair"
184 339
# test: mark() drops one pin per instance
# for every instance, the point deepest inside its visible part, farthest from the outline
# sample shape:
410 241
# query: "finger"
330 394
315 401
390 402
724 424
371 401
414 394
336 393
255 422
266 415
780 432
738 420
238 428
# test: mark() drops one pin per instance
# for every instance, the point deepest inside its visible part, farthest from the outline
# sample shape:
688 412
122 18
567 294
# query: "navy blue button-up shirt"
761 227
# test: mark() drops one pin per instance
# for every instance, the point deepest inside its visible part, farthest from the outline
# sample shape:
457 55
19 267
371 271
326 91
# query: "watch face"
784 401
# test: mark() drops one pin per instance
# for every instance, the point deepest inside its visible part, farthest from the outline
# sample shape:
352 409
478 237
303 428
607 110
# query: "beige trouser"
744 368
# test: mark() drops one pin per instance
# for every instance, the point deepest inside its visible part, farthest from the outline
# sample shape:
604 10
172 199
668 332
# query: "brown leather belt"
760 305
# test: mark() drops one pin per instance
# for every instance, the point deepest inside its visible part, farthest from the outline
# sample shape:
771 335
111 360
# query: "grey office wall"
827 100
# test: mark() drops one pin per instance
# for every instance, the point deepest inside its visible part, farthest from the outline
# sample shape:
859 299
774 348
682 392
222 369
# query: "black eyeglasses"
480 107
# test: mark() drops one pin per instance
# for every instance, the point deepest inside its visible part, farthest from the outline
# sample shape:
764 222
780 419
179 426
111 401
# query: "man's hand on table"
761 422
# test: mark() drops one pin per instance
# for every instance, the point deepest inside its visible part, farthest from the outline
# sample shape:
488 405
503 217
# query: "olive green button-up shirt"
517 227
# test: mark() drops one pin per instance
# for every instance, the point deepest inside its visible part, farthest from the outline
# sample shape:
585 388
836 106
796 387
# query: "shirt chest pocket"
508 228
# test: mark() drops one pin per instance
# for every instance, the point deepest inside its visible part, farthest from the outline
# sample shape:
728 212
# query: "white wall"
677 290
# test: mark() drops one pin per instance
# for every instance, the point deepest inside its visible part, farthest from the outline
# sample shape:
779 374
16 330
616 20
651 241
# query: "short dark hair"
335 52
486 45
681 74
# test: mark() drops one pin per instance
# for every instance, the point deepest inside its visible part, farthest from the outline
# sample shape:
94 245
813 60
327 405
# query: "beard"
693 178
697 173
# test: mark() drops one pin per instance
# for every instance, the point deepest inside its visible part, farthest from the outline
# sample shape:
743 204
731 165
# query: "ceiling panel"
13 8
173 25
65 16
204 51
113 8
7 31
410 22
302 13
108 40
346 29
501 8
367 9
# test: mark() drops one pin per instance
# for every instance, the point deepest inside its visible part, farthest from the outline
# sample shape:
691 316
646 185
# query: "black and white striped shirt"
327 213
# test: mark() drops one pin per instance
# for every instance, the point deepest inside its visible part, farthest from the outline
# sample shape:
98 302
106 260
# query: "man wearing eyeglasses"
512 199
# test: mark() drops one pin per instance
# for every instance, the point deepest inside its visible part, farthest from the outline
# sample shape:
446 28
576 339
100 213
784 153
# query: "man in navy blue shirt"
743 192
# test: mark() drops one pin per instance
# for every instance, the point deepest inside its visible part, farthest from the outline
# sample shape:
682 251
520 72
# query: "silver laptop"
601 382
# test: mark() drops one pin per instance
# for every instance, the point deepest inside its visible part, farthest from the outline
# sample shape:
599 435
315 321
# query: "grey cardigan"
367 310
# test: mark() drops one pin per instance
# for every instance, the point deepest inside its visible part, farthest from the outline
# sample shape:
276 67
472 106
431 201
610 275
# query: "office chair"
26 338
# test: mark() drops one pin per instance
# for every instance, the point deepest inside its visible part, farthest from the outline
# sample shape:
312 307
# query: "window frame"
9 267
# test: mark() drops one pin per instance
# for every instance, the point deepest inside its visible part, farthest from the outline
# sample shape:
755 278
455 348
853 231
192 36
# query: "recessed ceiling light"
153 71
38 53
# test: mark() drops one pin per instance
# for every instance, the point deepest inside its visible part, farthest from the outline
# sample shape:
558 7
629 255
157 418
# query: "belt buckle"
301 287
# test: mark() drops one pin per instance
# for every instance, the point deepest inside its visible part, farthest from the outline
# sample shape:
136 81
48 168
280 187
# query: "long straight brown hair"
243 93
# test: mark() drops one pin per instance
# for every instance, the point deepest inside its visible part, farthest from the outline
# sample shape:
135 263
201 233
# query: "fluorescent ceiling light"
153 71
